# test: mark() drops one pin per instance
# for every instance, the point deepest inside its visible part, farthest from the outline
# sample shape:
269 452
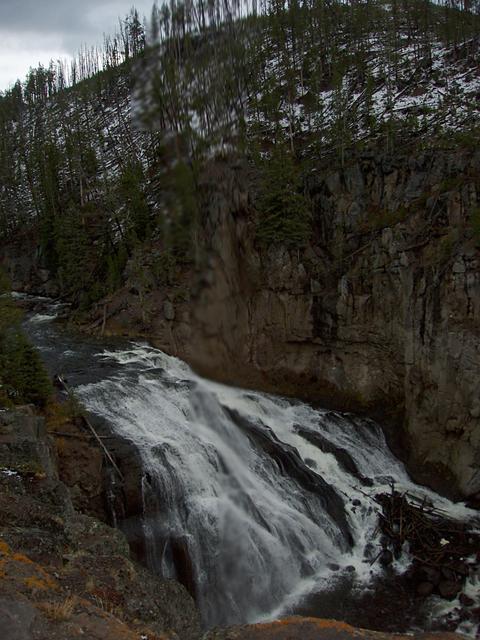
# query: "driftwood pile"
445 552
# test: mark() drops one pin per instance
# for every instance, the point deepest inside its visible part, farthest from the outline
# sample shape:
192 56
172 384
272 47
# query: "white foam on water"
42 317
9 473
258 540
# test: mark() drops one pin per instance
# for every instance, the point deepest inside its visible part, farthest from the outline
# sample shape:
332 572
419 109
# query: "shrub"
22 374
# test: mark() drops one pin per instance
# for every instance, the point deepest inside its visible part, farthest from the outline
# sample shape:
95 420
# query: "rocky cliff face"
380 313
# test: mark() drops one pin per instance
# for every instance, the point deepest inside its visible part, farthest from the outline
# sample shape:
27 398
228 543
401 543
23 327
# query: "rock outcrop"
65 574
380 313
314 629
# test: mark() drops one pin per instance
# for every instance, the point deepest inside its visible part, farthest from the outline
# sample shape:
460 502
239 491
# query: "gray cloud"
65 17
46 16
33 31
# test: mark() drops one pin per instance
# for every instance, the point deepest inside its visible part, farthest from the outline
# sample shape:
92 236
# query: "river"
271 497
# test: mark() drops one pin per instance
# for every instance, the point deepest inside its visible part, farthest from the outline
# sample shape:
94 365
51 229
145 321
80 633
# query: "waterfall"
251 500
255 503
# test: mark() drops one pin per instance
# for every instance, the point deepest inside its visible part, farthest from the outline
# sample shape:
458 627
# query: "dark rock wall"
380 313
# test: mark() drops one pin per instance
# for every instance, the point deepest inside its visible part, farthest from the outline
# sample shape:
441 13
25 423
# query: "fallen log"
61 382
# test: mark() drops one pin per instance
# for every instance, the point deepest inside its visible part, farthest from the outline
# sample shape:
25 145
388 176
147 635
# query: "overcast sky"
33 31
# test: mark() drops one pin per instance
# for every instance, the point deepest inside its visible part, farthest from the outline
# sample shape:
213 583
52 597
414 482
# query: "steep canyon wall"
380 313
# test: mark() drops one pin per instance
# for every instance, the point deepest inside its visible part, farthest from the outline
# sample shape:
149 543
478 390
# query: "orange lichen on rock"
4 548
319 622
297 622
36 584
41 582
19 557
47 577
296 627
336 625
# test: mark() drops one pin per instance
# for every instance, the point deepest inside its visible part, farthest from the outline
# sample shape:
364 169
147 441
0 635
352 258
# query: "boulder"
430 574
386 558
449 589
425 589
465 600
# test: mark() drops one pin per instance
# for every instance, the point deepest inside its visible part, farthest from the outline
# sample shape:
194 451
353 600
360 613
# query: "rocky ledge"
65 574
315 629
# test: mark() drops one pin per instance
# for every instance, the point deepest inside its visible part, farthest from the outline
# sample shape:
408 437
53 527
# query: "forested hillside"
290 88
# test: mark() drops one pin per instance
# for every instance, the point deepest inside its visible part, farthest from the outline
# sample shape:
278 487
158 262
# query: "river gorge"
261 505
240 323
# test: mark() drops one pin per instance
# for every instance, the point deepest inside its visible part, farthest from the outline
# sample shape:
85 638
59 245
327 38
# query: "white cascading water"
264 501
269 497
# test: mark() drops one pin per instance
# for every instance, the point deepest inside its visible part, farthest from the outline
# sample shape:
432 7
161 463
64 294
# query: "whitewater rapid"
259 539
270 498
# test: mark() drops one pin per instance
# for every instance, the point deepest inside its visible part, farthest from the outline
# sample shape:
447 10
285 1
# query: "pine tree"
284 212
23 378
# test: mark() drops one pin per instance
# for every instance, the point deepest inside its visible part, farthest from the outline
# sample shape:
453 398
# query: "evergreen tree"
284 212
23 378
